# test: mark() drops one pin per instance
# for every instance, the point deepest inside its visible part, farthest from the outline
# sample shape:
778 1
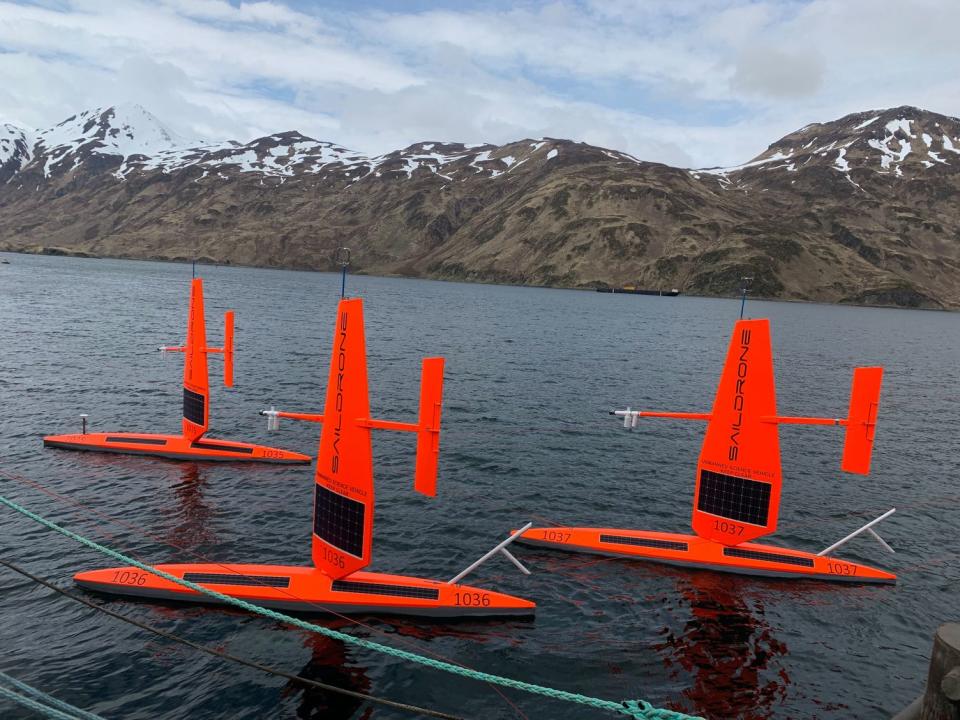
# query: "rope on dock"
424 712
44 704
639 709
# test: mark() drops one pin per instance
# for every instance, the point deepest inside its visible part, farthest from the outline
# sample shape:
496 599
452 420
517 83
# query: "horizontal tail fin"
228 348
862 420
428 427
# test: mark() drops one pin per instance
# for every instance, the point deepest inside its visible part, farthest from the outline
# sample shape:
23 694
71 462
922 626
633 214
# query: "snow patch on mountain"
16 145
841 162
778 155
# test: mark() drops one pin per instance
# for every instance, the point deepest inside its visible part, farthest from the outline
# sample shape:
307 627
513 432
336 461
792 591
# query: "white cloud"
688 82
771 72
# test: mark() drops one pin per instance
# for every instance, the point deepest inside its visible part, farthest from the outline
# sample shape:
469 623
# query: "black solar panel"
733 497
767 556
644 542
378 589
338 520
193 406
141 440
231 579
204 445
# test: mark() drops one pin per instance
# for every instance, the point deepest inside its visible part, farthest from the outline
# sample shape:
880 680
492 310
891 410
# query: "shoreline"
210 262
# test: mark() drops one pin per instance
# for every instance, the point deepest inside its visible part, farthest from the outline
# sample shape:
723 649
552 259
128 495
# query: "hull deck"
696 552
174 447
307 590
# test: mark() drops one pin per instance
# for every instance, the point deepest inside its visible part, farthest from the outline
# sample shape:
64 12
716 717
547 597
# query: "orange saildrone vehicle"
738 480
191 444
343 507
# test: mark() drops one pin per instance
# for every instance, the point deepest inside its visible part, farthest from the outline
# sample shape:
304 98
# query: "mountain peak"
891 141
124 130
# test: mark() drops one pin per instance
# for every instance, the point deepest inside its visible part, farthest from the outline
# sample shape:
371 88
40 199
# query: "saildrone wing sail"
737 494
343 492
196 382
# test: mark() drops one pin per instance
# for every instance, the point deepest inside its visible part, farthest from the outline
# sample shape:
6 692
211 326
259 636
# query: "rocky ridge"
862 209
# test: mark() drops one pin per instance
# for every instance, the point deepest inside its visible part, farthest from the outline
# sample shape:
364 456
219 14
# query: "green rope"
37 707
54 708
639 709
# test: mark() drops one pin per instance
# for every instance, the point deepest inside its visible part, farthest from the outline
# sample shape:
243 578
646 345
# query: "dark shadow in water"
476 630
724 648
330 663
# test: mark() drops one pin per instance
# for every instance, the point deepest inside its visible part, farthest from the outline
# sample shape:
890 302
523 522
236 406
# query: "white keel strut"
866 528
500 548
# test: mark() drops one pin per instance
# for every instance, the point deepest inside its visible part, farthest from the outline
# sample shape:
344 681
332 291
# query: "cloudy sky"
688 82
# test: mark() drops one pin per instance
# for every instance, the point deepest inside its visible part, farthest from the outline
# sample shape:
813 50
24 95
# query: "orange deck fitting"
343 503
190 445
738 479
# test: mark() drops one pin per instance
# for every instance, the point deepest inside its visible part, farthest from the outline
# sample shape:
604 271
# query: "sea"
531 376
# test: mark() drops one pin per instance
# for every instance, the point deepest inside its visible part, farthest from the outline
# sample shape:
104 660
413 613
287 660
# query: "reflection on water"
728 649
193 529
330 664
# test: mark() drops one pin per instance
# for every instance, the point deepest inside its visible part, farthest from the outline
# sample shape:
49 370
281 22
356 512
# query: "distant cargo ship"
632 290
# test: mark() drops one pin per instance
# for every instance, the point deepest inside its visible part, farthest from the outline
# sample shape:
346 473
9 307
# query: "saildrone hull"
174 447
696 552
307 590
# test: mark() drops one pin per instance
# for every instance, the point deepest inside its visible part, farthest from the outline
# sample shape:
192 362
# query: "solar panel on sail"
734 497
193 406
338 520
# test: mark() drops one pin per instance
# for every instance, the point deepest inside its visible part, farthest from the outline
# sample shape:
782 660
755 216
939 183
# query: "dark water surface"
531 375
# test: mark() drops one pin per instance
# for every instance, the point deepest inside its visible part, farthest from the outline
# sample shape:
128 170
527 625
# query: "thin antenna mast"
343 257
744 289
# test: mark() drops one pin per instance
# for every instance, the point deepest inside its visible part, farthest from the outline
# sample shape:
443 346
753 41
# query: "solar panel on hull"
734 498
338 520
193 404
644 542
231 579
767 556
408 591
203 445
141 440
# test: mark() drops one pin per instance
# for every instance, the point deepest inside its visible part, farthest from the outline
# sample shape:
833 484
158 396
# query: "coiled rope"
44 704
639 709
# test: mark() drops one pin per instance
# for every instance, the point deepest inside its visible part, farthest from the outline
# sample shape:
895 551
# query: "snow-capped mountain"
135 141
123 131
902 142
861 209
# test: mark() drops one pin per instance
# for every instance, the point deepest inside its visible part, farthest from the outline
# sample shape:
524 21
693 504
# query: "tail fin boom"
228 348
862 420
428 427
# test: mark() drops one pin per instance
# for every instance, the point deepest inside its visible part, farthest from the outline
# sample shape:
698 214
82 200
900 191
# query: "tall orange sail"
737 495
196 380
343 495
